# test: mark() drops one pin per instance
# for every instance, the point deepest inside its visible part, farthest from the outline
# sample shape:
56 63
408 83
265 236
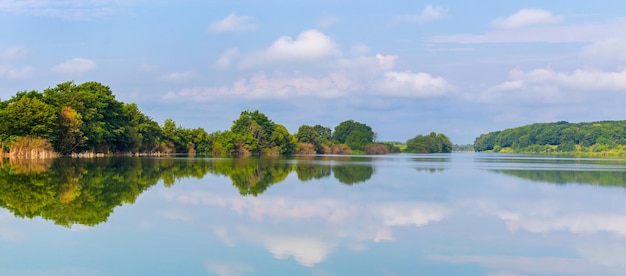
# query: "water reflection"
85 191
74 191
557 170
410 215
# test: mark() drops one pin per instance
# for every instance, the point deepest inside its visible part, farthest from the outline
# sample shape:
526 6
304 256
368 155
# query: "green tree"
70 136
431 143
354 134
29 116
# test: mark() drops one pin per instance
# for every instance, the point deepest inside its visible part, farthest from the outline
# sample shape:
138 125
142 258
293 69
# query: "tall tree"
354 134
29 116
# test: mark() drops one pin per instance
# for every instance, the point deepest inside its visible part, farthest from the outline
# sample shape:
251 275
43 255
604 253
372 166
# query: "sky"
404 68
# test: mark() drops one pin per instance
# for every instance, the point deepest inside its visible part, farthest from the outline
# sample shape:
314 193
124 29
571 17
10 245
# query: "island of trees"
72 119
605 138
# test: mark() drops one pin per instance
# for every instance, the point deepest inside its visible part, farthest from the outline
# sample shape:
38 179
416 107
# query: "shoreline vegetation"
587 139
87 121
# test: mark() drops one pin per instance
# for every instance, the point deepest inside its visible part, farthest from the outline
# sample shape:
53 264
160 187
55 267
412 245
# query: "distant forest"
607 138
74 119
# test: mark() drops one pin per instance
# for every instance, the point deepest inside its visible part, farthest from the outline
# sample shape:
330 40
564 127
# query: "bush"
304 148
376 149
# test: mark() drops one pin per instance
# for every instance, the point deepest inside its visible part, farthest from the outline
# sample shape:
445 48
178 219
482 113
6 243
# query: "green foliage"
466 147
254 133
88 118
556 137
432 143
29 116
351 175
356 135
85 191
317 135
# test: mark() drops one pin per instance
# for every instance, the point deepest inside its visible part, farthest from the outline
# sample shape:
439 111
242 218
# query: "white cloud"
408 84
75 66
14 52
386 62
428 14
527 17
612 51
233 23
309 46
274 87
179 76
589 32
16 73
553 87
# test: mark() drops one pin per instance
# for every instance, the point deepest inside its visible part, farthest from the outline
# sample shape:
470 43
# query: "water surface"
448 214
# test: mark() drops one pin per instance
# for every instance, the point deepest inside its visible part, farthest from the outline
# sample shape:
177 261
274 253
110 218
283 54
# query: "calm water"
456 214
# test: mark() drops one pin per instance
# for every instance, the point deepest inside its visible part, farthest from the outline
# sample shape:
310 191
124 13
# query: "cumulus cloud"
527 17
14 52
233 23
428 14
75 66
311 45
418 85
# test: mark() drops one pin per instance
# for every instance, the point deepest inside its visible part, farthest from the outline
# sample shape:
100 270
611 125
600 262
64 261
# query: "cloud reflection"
307 251
347 224
544 217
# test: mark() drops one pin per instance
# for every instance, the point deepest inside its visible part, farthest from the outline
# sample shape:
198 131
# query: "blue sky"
403 67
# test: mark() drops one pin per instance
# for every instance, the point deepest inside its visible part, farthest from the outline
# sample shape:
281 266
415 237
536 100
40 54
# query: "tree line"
605 137
87 118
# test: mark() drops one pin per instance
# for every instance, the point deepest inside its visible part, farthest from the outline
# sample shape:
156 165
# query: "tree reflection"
79 191
349 174
252 176
599 177
309 171
72 191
